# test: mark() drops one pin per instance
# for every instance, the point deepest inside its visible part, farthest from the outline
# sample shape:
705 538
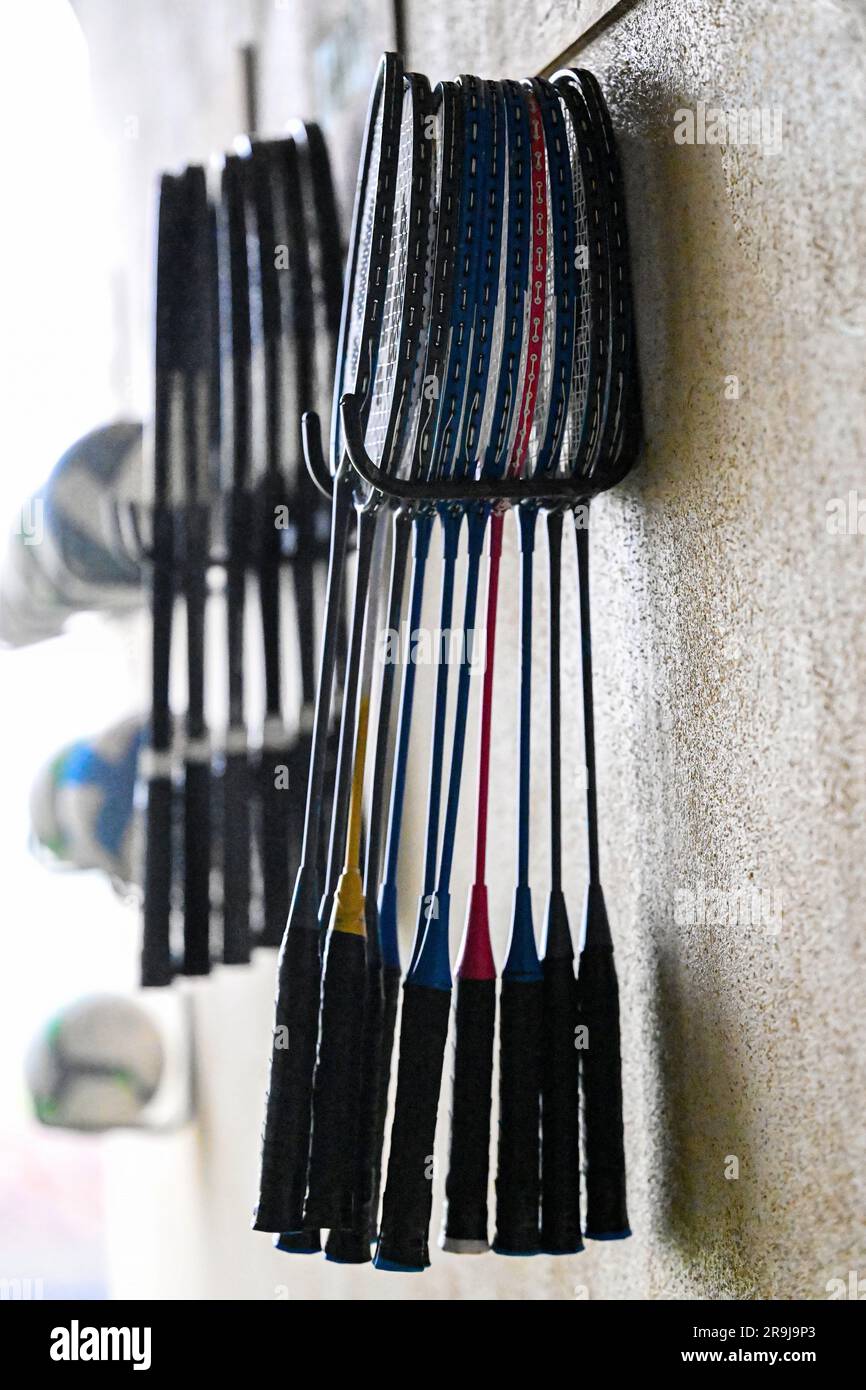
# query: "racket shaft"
517 1178
468 1162
285 1145
404 1235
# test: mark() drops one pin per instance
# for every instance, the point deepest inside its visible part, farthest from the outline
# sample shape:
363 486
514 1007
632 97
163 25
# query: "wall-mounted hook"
314 457
536 489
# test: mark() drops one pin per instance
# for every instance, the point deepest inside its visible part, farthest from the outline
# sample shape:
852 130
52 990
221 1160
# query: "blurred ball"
64 554
95 1065
82 806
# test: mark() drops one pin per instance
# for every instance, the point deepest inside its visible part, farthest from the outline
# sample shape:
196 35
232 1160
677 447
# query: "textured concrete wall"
730 665
731 654
730 660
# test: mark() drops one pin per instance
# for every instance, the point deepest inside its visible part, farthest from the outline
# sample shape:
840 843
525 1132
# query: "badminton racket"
597 989
407 314
156 966
235 399
517 1177
285 1147
193 555
426 991
351 1245
333 1188
465 1218
271 390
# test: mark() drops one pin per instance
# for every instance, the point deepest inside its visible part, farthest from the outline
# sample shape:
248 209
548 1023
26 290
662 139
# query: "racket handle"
196 871
465 1225
236 859
404 1235
298 1242
517 1176
352 1246
560 1113
332 1195
276 809
601 1079
286 1139
156 968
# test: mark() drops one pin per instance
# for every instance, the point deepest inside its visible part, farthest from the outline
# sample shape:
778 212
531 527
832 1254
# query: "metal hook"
314 457
537 489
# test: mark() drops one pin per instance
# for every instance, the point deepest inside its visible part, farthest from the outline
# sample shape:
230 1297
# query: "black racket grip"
465 1226
299 1242
560 1113
404 1236
601 1078
517 1176
276 811
156 966
332 1189
236 859
196 868
286 1138
352 1246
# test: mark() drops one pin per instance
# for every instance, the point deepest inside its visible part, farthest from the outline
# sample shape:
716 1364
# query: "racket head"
234 321
395 384
322 223
168 339
585 423
448 111
561 287
464 279
585 412
612 428
198 333
481 378
277 385
296 336
628 433
369 242
531 404
262 309
507 345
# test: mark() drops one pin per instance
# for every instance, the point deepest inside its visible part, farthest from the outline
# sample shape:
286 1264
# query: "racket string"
390 345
